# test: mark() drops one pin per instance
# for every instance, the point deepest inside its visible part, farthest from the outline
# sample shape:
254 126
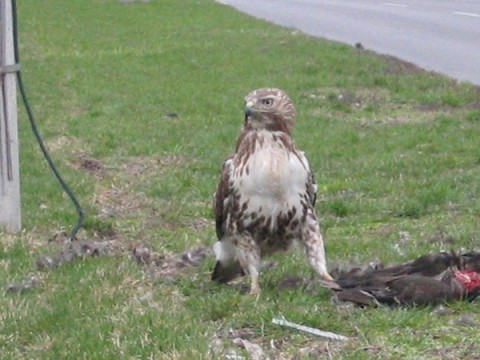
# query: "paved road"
438 35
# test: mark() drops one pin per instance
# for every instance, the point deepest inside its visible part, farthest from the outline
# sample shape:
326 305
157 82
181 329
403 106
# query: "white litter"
326 334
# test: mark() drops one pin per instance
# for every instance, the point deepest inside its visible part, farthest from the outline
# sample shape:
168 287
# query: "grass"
394 148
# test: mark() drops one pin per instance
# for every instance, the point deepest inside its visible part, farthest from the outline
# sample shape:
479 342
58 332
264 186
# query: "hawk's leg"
312 241
254 285
248 255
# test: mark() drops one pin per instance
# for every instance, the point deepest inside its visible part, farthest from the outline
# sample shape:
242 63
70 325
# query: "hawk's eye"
267 102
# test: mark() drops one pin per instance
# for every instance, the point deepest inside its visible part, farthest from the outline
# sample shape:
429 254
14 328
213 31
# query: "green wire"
31 117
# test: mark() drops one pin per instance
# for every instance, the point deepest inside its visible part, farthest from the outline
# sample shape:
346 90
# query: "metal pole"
10 213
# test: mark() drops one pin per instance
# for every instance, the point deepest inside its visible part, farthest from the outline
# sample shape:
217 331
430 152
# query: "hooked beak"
248 109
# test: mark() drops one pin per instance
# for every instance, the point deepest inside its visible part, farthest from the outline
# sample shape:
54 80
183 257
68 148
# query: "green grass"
394 149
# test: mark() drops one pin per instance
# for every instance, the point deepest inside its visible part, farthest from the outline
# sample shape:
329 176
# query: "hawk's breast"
273 177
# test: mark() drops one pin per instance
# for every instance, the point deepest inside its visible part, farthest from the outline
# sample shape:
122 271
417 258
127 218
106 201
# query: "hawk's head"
270 109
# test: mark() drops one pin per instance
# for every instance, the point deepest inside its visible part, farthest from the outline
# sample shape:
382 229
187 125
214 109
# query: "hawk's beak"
248 109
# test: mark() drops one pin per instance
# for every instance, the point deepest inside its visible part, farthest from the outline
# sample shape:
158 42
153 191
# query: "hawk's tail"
224 273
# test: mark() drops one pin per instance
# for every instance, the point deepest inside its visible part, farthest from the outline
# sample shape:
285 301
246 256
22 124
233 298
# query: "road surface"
438 35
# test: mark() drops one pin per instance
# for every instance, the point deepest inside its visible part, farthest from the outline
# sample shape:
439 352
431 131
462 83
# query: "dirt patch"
121 196
148 166
119 203
128 168
355 98
200 223
457 352
62 143
76 249
244 343
124 215
401 67
69 252
168 267
92 166
119 199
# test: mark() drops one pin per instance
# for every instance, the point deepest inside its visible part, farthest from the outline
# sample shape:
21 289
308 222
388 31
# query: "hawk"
265 198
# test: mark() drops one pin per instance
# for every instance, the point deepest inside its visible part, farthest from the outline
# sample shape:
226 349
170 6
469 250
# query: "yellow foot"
254 285
326 276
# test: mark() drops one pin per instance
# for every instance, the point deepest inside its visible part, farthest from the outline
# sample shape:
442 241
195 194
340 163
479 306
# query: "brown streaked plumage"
265 198
428 280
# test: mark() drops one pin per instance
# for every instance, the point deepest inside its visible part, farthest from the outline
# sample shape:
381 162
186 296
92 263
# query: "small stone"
255 351
46 261
441 310
467 320
172 115
142 255
29 283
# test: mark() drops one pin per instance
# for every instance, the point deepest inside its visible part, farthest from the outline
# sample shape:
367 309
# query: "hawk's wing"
227 268
221 197
311 185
